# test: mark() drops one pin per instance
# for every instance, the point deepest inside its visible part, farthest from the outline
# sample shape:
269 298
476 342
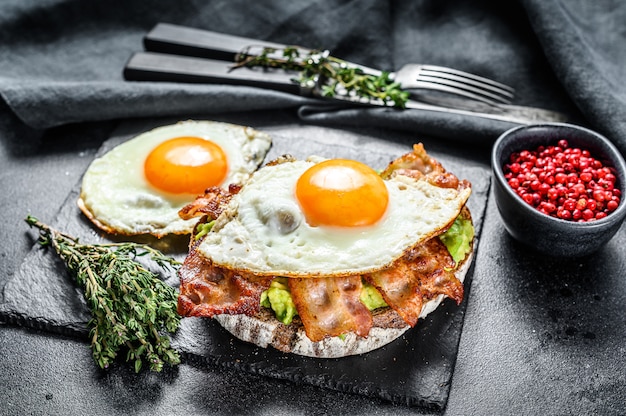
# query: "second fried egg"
139 186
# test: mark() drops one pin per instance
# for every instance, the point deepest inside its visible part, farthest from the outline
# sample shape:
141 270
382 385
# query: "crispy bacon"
211 203
330 306
422 274
419 164
327 306
207 290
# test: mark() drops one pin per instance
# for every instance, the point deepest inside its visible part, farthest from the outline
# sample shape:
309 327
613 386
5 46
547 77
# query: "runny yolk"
343 193
186 165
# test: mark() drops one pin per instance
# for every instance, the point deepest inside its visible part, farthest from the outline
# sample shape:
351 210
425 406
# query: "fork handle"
183 40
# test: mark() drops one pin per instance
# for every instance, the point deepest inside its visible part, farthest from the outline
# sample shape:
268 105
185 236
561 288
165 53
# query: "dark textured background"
540 335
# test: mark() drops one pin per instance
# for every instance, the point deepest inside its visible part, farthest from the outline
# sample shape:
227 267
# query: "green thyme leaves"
131 307
338 76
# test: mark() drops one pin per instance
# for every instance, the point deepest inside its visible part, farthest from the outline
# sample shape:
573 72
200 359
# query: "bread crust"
264 330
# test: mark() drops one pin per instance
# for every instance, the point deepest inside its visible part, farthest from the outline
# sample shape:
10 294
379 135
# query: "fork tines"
463 83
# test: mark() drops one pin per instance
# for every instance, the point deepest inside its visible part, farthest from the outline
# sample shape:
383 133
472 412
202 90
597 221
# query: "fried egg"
327 218
139 186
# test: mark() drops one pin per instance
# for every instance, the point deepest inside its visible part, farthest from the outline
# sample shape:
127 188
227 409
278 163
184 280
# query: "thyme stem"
130 306
339 75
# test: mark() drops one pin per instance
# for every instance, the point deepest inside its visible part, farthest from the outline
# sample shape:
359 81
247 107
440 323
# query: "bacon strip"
211 203
207 290
419 164
422 274
330 306
441 281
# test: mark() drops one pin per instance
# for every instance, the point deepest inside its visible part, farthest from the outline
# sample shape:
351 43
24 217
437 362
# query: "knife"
189 41
201 43
153 66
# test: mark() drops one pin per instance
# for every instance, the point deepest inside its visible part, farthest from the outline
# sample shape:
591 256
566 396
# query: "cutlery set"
182 54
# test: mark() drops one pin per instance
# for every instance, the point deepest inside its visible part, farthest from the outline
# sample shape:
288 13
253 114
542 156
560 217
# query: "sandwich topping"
139 186
221 274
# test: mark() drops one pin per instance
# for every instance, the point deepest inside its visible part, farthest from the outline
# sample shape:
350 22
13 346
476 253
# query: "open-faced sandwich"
328 258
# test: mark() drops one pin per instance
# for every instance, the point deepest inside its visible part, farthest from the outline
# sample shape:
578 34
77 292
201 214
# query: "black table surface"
540 335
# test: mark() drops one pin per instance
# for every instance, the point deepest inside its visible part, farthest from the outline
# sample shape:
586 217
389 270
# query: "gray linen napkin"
61 61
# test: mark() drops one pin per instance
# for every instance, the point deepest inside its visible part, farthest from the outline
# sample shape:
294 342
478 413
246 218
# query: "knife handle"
188 41
152 66
201 43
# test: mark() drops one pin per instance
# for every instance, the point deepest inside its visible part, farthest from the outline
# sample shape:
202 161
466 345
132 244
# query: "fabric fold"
584 44
43 104
564 56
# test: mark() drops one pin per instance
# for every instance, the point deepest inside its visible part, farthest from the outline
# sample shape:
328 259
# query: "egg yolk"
343 193
186 165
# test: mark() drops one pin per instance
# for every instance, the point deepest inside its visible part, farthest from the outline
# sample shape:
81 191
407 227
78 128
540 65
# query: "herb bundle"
338 76
130 306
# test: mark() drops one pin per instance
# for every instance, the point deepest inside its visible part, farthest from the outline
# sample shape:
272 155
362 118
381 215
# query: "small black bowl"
546 234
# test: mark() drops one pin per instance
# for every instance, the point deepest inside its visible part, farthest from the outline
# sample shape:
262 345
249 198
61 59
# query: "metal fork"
182 40
415 76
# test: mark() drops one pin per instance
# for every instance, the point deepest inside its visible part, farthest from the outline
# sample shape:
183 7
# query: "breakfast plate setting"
324 208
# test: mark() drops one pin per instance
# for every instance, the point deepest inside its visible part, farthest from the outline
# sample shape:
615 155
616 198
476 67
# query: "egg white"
116 196
263 229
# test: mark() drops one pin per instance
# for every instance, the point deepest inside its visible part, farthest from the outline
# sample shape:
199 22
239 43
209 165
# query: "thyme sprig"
131 307
339 77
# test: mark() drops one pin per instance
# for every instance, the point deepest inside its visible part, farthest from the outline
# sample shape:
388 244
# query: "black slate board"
415 370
